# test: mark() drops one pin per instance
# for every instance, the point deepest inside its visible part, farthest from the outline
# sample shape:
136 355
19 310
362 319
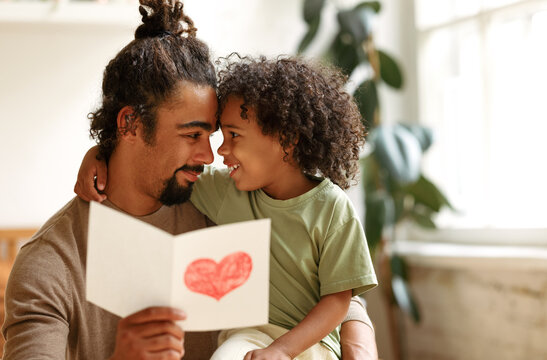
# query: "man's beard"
173 193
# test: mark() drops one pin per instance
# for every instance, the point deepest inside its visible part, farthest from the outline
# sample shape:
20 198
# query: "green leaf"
398 266
356 23
401 291
374 223
404 298
344 55
422 133
310 35
369 173
312 10
399 152
423 219
399 200
366 97
427 193
378 213
374 5
390 71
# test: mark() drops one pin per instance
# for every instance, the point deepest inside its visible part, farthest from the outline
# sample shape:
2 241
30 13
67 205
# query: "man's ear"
128 123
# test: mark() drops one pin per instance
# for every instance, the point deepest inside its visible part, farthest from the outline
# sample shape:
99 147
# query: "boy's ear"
289 149
293 142
128 123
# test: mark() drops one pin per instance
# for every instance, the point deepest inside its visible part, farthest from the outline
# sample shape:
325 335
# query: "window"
482 75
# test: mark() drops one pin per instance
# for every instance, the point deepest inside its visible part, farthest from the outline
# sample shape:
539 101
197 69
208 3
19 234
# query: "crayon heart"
205 276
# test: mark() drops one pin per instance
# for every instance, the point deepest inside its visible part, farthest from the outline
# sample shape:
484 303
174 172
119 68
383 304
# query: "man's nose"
204 153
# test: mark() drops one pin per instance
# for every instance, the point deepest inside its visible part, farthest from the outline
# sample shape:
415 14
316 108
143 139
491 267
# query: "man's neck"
122 189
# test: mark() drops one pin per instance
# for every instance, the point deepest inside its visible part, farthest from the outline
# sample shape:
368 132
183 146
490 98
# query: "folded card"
219 275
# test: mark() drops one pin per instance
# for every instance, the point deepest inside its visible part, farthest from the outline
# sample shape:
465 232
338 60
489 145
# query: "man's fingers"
160 327
166 355
153 314
151 334
165 342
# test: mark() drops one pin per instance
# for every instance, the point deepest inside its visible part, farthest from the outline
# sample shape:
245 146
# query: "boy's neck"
290 186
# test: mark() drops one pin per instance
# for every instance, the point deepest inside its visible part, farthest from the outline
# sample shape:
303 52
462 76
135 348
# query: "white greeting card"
219 275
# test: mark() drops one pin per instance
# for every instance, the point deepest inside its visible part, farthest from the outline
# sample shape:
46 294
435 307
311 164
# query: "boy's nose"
224 149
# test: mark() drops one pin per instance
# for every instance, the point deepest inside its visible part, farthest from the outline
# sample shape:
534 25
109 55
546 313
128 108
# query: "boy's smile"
232 168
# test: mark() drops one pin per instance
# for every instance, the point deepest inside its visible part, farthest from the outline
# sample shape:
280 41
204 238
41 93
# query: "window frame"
473 234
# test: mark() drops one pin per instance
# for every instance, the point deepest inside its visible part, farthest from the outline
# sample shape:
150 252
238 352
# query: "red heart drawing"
205 276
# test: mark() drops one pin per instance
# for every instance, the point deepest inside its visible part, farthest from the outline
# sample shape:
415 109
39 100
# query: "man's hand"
150 334
269 353
357 341
90 169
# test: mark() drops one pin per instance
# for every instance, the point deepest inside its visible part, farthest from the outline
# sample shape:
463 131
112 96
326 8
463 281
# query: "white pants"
235 343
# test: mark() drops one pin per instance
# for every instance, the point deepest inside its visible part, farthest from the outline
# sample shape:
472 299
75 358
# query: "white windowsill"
487 248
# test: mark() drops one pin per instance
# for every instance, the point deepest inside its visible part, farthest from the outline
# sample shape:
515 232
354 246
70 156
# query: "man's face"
171 163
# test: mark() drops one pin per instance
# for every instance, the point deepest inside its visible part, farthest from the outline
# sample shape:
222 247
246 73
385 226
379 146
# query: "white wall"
394 34
50 74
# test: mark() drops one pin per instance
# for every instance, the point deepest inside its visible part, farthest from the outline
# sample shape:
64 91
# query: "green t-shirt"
318 245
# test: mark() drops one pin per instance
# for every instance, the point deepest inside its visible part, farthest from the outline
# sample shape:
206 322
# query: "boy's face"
255 160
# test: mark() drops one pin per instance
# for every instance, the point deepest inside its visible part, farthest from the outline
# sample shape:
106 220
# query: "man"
158 110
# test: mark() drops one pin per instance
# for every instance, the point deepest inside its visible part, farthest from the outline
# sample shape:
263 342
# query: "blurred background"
454 93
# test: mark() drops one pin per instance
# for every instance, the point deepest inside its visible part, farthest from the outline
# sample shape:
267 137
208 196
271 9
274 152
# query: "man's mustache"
196 168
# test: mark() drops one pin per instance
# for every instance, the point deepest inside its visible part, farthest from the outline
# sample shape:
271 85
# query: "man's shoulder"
69 224
54 252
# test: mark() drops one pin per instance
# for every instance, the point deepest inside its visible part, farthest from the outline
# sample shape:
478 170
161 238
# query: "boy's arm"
320 321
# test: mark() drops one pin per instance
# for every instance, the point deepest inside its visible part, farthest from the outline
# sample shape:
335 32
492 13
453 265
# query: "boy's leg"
235 343
317 351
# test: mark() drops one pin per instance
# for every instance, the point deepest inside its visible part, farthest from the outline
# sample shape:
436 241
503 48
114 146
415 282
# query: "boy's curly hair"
305 105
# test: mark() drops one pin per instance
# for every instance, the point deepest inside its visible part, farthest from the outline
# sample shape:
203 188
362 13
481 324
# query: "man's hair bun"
164 17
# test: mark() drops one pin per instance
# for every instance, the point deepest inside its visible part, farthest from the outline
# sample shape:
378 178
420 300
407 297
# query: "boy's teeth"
233 167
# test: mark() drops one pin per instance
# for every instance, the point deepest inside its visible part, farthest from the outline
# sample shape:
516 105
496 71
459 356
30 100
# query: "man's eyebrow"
193 124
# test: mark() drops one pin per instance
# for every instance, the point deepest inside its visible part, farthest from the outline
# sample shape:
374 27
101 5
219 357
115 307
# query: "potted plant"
395 188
